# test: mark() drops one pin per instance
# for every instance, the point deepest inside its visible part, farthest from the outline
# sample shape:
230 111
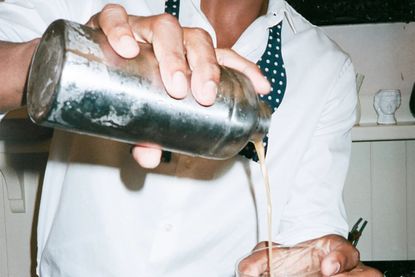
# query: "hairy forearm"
14 65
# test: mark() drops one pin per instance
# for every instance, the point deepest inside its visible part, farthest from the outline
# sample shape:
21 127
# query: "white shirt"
103 215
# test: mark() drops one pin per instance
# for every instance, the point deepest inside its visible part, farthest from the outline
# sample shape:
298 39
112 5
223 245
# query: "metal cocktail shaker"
78 83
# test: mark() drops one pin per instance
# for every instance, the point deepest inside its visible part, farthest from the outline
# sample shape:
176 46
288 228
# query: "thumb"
147 156
343 257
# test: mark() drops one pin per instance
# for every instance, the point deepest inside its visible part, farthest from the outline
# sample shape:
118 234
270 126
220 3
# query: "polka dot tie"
172 7
271 65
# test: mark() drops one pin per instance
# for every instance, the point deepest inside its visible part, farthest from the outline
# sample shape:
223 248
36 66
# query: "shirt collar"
252 42
277 10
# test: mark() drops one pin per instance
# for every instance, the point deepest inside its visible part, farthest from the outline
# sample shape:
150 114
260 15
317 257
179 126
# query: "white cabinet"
3 241
380 187
19 196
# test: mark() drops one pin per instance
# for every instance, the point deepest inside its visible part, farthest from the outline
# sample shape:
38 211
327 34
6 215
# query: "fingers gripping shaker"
78 83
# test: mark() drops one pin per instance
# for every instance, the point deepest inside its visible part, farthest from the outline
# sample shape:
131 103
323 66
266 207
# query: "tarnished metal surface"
78 83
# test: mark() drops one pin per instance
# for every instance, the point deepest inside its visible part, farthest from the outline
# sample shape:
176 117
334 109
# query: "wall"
380 186
385 54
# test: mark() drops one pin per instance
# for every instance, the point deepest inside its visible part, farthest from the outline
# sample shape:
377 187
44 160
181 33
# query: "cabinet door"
21 175
357 194
410 196
380 187
3 242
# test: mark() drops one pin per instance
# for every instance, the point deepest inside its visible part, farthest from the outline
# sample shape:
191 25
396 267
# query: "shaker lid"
45 72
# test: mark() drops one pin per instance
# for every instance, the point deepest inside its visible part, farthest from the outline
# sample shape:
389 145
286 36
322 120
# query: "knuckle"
92 21
166 21
220 56
200 34
213 69
206 66
119 29
173 56
113 7
335 239
355 255
377 273
260 245
351 257
332 237
246 268
229 52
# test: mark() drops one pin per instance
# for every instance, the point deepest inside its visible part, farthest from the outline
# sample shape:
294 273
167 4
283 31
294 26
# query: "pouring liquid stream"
259 147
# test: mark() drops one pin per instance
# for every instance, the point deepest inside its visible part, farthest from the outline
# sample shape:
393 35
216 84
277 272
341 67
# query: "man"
103 215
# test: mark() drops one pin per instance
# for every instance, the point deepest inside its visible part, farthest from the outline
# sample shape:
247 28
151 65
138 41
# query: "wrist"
15 59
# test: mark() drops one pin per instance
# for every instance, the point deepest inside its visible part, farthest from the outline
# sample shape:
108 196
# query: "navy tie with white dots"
271 65
172 7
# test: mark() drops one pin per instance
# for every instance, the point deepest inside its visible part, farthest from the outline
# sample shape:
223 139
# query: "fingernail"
336 267
208 95
150 162
179 84
127 47
147 157
265 86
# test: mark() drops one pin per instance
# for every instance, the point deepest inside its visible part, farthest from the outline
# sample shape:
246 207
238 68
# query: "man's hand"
186 56
361 271
332 255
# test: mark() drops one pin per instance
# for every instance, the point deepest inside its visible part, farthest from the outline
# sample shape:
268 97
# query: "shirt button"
168 227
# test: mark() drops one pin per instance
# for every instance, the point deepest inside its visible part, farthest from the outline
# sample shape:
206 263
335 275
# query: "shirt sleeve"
315 206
